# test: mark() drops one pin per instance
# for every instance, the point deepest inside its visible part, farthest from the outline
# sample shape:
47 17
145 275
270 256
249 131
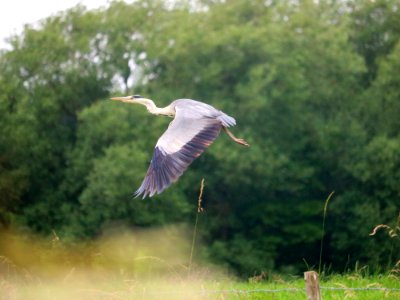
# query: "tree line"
314 87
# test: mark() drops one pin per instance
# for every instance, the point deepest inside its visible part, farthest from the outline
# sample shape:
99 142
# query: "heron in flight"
195 126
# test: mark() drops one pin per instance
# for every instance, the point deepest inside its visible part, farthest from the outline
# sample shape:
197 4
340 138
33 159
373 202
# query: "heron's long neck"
153 109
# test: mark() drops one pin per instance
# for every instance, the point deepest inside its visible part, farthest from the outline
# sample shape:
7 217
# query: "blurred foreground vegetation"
315 89
130 264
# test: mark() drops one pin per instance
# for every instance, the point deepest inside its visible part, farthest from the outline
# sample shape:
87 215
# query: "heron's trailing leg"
235 139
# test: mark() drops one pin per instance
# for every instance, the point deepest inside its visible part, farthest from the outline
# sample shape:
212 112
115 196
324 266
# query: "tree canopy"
314 87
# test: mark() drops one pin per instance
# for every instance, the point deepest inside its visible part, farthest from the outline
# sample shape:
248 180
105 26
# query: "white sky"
15 13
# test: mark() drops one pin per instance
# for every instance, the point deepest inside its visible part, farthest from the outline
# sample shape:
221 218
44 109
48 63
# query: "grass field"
153 264
90 286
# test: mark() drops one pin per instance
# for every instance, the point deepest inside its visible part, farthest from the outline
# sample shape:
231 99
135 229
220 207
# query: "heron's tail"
226 120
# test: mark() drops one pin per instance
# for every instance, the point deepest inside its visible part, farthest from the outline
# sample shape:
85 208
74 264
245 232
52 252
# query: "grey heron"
195 126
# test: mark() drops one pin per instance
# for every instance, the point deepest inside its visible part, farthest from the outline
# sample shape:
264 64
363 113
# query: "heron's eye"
137 96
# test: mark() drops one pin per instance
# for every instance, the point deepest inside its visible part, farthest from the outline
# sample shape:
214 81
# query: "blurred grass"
147 264
195 287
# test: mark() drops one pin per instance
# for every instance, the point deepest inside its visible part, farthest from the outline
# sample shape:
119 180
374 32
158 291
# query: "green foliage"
375 28
314 88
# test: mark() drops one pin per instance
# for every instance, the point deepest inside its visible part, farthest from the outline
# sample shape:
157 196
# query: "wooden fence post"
312 286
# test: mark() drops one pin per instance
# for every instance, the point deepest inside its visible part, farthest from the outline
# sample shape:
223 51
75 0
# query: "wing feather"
184 140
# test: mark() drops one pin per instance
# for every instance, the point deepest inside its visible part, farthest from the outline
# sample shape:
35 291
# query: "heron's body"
195 126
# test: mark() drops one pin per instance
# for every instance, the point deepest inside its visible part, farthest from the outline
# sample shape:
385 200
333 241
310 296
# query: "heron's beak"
123 99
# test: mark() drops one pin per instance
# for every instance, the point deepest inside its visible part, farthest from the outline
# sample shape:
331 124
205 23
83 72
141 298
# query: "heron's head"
151 107
129 99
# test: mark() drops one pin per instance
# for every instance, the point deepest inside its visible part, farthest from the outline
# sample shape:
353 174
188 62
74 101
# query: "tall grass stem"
323 231
199 210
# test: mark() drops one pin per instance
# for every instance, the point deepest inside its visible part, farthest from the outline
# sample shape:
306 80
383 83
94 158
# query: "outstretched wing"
185 139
